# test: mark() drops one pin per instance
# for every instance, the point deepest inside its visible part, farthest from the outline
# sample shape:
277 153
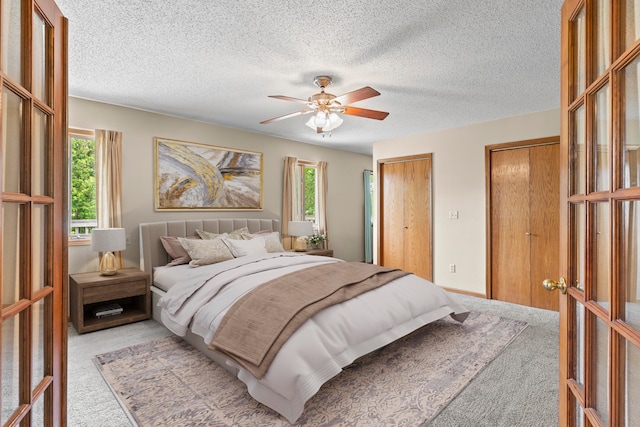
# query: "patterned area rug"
167 382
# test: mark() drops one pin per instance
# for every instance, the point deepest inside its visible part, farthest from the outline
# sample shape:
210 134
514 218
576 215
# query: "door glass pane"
12 39
11 141
603 53
11 217
37 412
40 49
578 253
631 377
601 146
631 22
579 54
601 264
579 414
578 152
10 367
601 364
37 352
41 159
40 246
578 344
630 250
631 124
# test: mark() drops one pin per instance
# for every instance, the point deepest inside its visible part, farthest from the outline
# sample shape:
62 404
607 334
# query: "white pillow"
241 248
271 241
203 252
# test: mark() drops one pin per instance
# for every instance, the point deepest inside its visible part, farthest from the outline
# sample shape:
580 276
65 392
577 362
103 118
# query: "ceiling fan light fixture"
324 107
334 121
326 122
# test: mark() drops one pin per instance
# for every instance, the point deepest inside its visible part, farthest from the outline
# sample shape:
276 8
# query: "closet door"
524 203
33 216
405 238
392 232
510 226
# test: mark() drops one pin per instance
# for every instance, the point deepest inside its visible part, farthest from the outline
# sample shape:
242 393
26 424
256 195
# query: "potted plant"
315 240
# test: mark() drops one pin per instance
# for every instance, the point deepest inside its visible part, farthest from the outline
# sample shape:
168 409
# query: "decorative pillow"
204 252
271 240
175 250
235 234
241 248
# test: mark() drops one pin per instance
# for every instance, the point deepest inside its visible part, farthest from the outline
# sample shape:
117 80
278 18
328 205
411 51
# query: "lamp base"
300 245
109 264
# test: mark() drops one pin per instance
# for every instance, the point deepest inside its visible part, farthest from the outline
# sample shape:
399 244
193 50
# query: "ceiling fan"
326 106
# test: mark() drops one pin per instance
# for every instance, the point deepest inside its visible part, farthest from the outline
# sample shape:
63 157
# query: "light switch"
453 214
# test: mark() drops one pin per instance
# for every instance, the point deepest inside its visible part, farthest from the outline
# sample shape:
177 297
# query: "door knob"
552 285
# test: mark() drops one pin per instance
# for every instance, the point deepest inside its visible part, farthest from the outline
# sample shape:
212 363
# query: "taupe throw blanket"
258 324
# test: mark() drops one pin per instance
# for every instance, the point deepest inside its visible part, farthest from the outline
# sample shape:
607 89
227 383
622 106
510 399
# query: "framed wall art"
192 176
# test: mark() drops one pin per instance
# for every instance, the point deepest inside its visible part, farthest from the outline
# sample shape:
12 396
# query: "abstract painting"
200 176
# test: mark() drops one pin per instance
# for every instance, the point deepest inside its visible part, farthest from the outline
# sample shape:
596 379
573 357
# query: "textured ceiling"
437 63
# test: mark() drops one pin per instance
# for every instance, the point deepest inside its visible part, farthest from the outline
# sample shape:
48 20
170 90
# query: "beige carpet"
167 382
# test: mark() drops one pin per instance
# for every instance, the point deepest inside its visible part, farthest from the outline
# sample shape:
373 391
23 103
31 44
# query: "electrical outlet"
452 268
453 214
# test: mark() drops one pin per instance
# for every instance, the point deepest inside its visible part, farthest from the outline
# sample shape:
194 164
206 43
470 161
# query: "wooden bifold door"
523 202
405 238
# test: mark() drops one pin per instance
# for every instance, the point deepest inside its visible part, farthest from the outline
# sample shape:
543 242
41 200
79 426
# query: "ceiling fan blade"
363 112
357 95
286 116
289 98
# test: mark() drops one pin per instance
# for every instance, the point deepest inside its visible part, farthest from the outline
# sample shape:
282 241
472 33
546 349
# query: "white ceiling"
437 63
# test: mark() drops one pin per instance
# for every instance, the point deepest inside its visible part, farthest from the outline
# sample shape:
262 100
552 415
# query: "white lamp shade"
108 239
300 228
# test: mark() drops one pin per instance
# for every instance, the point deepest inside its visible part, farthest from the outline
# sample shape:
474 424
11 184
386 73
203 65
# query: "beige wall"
459 185
345 199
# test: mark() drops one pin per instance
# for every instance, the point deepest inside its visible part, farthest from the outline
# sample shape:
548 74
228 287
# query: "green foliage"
83 179
315 239
309 191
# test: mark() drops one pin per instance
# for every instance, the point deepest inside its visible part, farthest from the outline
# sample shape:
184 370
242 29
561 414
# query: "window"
308 189
82 185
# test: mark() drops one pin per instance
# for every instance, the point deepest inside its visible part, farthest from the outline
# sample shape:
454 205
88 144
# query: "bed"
187 301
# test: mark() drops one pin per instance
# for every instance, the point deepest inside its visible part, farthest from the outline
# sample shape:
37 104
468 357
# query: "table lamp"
301 229
108 241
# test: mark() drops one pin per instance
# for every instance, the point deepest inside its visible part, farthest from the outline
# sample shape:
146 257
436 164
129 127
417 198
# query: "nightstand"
319 252
129 288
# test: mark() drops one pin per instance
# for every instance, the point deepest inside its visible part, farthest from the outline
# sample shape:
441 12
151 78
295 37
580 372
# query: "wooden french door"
33 107
405 238
600 213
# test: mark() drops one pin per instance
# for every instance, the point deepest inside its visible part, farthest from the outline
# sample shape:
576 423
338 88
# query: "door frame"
488 149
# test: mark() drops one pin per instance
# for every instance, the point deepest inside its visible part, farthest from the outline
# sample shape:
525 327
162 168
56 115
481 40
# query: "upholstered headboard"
152 253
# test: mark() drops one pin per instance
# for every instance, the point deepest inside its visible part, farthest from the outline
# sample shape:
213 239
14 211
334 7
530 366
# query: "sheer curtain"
321 207
290 198
109 181
368 222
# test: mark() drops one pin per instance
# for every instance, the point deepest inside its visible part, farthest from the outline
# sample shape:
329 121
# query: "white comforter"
330 340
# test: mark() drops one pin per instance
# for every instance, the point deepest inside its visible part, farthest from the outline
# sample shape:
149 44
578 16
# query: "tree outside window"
310 193
82 184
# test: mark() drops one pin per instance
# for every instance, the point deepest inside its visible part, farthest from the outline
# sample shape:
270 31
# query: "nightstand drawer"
109 292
